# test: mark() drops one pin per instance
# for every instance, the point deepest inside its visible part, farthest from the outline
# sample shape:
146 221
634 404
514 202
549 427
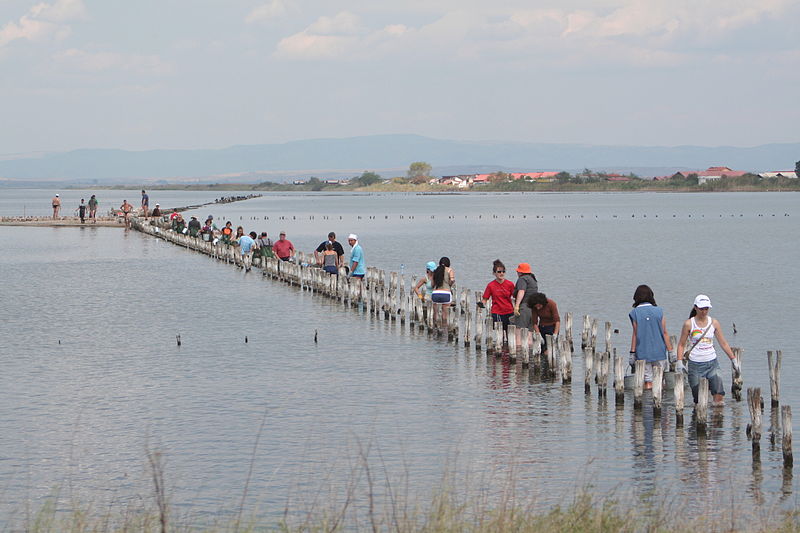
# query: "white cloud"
265 12
80 60
43 22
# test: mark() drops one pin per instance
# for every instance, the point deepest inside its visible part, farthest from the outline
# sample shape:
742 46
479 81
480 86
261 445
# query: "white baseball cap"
352 236
702 301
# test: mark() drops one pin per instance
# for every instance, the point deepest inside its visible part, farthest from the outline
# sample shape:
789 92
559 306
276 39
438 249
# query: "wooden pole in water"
585 331
525 348
678 390
566 357
568 331
551 351
608 337
512 342
480 322
786 440
658 382
619 378
701 409
593 336
775 376
603 366
467 326
754 404
638 384
737 380
588 369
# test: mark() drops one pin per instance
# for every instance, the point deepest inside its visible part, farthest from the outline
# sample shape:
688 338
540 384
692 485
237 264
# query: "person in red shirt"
283 247
501 292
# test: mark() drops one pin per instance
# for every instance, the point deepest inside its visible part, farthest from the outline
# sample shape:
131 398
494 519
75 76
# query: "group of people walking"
695 352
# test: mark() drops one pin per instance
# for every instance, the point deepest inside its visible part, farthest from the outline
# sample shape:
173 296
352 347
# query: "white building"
779 173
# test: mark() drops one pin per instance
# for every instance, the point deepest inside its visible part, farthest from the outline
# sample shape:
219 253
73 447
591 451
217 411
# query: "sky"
192 74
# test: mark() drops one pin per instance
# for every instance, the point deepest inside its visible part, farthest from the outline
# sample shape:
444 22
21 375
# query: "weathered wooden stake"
619 378
585 331
775 376
568 331
754 404
588 369
786 440
638 384
525 347
658 382
737 381
512 342
678 390
701 409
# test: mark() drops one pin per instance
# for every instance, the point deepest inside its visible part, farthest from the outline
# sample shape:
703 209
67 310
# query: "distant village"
469 181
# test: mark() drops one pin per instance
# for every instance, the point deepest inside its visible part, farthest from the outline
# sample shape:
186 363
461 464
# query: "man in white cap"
357 266
56 206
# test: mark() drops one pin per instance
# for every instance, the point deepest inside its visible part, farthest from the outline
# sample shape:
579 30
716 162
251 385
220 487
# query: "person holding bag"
701 330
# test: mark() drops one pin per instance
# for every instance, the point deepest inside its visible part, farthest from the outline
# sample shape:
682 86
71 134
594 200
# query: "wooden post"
551 351
608 337
658 381
588 369
467 326
512 342
754 427
593 335
566 357
585 331
774 376
678 390
619 378
498 338
568 331
480 322
701 409
603 366
786 440
737 381
525 348
489 325
638 384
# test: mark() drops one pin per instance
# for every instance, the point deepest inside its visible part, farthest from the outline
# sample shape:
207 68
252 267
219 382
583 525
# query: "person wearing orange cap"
527 284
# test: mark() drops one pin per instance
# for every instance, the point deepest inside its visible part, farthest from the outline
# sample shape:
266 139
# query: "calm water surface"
92 375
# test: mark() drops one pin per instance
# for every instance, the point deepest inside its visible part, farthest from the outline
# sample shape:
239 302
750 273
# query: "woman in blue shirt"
650 340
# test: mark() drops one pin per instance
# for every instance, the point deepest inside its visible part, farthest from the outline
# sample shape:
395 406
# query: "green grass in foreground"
441 515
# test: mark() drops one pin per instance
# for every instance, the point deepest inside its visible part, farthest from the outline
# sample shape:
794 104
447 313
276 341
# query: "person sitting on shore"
156 211
178 224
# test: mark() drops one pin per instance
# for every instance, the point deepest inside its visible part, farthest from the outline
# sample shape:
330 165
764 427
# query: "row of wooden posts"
388 298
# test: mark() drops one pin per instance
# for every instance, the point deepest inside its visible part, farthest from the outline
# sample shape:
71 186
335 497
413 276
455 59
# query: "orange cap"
524 268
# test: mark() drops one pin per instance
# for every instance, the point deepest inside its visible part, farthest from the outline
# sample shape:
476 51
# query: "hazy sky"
139 74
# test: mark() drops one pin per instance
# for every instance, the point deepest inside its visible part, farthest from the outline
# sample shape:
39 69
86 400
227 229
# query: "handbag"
687 352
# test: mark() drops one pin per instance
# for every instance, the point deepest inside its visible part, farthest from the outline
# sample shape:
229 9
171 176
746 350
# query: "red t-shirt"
500 293
282 248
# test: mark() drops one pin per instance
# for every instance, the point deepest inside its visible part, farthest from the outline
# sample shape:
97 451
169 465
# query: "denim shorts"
709 370
441 297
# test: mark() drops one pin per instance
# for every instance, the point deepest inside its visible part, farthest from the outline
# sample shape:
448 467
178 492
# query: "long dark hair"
693 312
536 298
643 294
438 274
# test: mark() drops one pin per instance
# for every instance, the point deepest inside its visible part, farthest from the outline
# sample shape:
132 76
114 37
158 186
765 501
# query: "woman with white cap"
701 330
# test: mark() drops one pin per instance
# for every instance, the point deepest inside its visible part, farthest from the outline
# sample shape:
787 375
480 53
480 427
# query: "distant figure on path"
545 317
156 212
126 209
246 245
145 203
358 267
265 245
227 233
93 209
337 247
701 330
194 226
283 247
649 340
501 292
330 259
56 206
81 210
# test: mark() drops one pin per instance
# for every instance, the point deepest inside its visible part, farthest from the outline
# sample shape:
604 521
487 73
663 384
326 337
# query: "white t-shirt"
703 350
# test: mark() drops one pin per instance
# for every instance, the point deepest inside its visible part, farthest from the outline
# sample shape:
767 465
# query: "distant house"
617 178
332 182
481 179
299 182
713 173
779 174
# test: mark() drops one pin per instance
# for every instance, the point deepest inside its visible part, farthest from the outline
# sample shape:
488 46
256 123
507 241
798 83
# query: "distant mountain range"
390 154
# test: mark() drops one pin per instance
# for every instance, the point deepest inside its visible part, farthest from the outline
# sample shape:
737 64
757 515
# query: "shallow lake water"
92 375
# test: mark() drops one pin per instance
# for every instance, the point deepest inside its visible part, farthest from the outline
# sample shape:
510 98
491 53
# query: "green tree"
498 177
419 172
367 178
563 177
797 169
315 184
